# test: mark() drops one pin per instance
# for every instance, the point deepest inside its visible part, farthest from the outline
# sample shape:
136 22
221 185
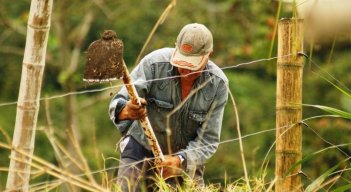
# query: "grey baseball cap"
193 47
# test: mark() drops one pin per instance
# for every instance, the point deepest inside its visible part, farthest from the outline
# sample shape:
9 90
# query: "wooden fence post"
29 94
288 105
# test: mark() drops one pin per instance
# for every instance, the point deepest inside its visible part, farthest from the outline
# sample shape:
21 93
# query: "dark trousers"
135 173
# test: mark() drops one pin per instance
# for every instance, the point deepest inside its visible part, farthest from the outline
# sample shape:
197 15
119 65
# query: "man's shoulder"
215 70
159 55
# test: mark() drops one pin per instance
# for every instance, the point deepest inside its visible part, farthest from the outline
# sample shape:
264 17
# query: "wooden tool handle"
145 123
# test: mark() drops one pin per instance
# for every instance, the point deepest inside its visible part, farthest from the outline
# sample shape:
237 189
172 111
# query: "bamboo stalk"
288 104
29 93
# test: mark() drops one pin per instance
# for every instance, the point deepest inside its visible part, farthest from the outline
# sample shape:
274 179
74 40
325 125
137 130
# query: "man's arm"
122 112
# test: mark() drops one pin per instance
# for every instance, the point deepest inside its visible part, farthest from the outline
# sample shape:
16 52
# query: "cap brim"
190 62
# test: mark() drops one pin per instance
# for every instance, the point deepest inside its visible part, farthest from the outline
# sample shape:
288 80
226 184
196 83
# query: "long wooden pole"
144 121
29 94
288 104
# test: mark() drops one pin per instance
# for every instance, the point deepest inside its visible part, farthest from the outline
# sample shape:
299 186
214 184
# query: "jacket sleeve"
139 77
208 136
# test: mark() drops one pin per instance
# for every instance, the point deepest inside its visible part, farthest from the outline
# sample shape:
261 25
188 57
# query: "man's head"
193 47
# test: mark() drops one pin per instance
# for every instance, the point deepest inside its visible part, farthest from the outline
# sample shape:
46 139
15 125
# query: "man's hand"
171 166
133 111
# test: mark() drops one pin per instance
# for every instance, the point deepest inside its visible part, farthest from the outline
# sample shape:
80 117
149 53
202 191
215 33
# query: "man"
165 80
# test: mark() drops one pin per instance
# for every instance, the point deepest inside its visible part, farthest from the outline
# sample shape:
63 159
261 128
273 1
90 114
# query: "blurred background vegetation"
243 31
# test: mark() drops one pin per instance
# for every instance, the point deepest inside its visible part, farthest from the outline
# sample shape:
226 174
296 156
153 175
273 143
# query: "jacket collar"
172 72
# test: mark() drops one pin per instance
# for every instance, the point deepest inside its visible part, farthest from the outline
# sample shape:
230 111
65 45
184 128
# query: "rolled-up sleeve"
208 136
139 77
116 106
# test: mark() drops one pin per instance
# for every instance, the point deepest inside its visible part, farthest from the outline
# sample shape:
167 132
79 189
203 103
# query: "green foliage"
333 111
343 188
316 184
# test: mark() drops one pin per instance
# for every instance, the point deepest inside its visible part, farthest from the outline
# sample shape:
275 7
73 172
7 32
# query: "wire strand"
151 80
222 142
325 71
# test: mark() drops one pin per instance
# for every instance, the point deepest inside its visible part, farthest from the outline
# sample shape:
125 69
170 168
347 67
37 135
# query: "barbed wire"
177 76
301 3
328 142
146 81
326 72
153 158
172 77
340 172
232 140
220 143
223 142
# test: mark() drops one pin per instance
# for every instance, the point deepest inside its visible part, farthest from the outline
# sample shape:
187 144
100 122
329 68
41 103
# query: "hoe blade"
104 59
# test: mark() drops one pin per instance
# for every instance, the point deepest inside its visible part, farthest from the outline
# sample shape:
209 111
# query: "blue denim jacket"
195 126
